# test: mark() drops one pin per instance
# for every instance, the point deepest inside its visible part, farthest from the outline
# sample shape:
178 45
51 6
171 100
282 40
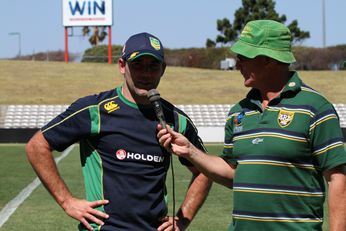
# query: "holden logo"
121 154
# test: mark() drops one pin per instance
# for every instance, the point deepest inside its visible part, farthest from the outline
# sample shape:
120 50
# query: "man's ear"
121 65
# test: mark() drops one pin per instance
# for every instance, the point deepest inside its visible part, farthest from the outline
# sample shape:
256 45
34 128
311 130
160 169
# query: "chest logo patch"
257 141
238 120
111 106
285 118
121 154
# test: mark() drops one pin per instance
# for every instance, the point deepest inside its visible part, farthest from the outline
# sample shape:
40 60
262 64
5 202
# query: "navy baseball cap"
143 44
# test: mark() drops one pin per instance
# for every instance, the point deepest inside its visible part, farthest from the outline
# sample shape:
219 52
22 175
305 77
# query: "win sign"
87 12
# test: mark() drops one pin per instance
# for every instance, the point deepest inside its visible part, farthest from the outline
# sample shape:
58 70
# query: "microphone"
154 97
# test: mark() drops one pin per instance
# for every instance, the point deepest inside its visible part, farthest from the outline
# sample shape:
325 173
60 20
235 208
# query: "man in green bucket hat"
267 38
281 142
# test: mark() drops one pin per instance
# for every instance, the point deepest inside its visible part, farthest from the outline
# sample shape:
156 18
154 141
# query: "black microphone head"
153 95
154 98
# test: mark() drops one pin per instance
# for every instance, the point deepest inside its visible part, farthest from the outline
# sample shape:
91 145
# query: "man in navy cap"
124 166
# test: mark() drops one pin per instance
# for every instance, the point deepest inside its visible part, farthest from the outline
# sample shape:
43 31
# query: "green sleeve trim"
93 173
182 124
94 120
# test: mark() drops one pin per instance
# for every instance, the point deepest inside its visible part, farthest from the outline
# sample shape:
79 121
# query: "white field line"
11 206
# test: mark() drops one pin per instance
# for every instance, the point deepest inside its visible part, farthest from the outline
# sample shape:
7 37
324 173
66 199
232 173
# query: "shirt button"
291 84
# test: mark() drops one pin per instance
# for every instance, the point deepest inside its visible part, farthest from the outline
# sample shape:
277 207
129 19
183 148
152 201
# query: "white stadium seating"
208 118
203 115
28 116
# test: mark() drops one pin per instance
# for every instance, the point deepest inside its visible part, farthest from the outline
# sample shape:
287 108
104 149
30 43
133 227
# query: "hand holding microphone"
171 140
154 98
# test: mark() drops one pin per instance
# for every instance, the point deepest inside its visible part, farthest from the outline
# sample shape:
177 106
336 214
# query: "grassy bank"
31 82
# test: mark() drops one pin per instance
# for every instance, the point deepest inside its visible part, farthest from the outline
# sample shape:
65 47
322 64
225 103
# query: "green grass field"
40 212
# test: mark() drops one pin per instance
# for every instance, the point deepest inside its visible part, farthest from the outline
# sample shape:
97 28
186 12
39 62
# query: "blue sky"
179 23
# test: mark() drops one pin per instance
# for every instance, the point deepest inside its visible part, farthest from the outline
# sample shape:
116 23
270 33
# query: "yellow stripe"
290 110
228 146
246 114
271 220
108 99
327 149
251 113
277 136
73 114
310 90
325 119
279 193
276 164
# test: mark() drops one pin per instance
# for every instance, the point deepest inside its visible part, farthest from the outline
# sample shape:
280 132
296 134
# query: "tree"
98 36
253 10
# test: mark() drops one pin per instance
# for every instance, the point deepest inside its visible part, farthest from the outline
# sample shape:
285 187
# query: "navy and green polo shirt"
121 158
280 153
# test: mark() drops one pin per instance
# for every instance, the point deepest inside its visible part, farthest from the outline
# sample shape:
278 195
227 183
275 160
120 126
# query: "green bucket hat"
265 37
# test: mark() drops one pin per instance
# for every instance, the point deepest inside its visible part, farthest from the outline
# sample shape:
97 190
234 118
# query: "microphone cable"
173 191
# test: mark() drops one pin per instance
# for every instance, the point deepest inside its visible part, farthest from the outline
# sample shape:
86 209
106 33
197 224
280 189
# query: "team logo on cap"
121 154
285 118
155 43
133 55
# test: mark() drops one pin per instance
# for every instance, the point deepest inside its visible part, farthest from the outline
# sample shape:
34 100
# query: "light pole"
19 41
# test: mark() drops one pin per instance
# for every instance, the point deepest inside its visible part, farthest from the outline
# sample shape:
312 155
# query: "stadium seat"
204 115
